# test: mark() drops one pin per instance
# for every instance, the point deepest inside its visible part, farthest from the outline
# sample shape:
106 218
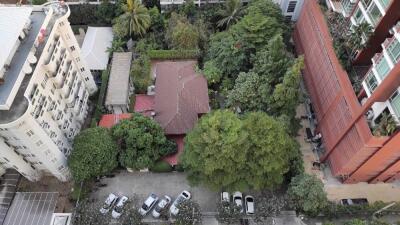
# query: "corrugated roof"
94 48
118 84
181 95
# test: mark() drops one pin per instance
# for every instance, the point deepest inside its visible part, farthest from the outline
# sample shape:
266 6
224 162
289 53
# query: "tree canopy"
307 194
189 213
136 18
142 142
181 34
94 154
224 151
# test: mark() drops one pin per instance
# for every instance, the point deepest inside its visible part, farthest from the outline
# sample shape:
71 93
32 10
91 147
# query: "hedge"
174 54
102 93
161 167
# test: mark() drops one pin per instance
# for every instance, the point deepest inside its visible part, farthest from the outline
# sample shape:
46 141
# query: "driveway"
141 184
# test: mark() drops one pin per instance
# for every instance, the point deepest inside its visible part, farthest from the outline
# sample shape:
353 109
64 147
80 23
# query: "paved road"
142 184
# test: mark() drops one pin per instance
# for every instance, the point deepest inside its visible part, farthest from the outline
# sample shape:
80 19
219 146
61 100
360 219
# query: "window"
29 133
78 59
87 78
382 67
358 16
39 143
395 102
82 69
384 3
6 159
67 36
394 50
288 18
72 48
374 13
291 6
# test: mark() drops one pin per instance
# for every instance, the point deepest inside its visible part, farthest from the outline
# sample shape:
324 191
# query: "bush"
174 54
83 14
161 167
179 168
38 2
140 73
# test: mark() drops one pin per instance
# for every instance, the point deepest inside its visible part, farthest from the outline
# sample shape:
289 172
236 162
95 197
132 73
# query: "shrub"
140 73
161 167
179 168
38 2
173 54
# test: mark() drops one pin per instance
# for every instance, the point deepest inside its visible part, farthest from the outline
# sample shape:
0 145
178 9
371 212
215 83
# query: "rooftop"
118 85
13 20
181 96
13 75
94 47
109 120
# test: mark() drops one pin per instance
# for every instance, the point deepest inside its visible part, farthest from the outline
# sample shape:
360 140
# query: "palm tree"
138 15
231 13
116 46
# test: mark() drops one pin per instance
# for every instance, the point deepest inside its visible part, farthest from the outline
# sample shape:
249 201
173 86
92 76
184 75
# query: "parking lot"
142 184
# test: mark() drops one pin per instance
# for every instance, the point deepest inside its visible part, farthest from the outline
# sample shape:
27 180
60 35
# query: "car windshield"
158 209
106 206
250 200
184 194
179 199
145 207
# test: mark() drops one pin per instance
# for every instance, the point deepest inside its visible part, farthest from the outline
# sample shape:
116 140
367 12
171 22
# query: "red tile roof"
173 159
144 104
181 95
109 120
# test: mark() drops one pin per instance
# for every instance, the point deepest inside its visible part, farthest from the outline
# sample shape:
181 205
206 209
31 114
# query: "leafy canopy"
181 34
307 194
224 151
95 154
142 142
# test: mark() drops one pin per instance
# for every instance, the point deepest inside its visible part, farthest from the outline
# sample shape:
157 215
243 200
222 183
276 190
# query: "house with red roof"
179 99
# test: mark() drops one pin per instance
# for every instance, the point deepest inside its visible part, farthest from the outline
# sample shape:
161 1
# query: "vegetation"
224 151
181 34
386 126
38 2
173 54
231 13
102 93
135 17
142 142
140 72
189 213
88 214
95 154
161 167
306 193
228 212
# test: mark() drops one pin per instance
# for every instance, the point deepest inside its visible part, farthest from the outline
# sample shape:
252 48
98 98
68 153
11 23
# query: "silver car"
162 204
108 203
185 195
148 204
119 207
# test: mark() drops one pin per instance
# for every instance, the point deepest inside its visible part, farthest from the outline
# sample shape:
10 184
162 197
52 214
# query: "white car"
160 206
238 199
185 195
148 204
108 204
249 202
119 207
225 197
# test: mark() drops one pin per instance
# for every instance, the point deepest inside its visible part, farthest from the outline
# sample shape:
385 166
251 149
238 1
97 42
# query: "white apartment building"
44 90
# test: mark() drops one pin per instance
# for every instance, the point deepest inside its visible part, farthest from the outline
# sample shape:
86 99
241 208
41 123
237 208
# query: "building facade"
44 90
345 118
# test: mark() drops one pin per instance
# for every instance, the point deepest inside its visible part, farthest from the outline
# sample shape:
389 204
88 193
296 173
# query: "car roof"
150 199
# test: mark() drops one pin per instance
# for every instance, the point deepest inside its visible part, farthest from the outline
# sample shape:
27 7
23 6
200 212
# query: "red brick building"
353 153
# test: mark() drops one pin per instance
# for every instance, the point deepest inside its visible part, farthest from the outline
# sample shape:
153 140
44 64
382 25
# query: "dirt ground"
50 184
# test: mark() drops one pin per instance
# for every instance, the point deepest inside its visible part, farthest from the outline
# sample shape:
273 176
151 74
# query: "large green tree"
231 13
181 34
224 151
306 193
134 21
250 93
94 154
142 142
189 213
286 95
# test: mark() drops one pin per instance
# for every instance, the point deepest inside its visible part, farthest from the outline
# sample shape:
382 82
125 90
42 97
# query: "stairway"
8 187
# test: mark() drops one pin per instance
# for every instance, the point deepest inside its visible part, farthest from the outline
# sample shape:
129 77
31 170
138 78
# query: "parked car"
185 195
148 204
249 203
119 207
225 197
238 199
354 201
108 203
164 202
